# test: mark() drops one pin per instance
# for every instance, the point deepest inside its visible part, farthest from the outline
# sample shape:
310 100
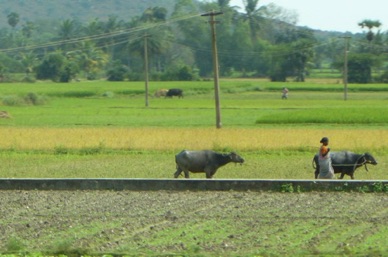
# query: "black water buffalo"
174 92
205 161
346 162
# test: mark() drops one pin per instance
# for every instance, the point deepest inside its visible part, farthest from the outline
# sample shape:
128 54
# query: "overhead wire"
106 35
147 26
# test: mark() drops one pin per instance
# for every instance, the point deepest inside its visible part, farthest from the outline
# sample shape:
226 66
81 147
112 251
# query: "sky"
333 15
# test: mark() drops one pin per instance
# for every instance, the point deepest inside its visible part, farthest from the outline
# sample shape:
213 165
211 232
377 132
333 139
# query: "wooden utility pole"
215 67
346 68
146 69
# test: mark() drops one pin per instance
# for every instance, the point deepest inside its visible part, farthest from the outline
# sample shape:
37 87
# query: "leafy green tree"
328 52
223 4
57 68
50 67
195 35
116 72
3 72
280 64
301 57
68 71
154 14
185 74
10 63
360 67
292 55
13 19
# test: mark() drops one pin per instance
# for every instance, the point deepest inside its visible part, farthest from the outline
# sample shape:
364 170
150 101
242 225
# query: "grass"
279 163
82 131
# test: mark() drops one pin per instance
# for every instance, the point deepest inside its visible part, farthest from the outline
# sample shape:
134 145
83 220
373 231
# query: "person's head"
325 140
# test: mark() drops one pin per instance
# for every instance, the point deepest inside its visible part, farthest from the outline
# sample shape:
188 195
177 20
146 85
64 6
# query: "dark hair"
324 139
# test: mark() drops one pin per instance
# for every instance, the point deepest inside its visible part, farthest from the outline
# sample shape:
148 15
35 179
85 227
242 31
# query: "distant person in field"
326 171
285 93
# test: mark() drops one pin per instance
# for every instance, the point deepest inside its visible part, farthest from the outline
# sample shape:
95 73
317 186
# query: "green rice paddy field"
95 129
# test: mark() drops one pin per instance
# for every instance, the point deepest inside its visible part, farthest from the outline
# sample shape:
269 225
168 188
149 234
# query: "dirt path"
208 223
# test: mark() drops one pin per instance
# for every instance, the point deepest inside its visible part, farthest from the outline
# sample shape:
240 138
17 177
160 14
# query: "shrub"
29 79
117 72
51 67
12 101
68 72
34 99
108 94
184 73
29 99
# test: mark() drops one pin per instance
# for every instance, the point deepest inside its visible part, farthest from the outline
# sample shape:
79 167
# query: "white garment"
325 169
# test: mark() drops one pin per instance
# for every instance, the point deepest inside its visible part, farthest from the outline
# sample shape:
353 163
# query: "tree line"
258 41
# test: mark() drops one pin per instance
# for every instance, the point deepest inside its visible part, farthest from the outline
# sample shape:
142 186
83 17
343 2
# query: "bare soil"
194 223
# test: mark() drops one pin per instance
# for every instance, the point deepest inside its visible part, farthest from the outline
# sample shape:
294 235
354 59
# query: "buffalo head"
234 157
368 158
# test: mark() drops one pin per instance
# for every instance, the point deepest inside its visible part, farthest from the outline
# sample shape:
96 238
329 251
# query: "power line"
120 32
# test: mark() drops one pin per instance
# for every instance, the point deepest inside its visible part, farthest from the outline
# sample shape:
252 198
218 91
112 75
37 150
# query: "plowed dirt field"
151 223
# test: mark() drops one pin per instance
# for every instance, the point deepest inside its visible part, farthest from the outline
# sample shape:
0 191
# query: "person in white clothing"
325 168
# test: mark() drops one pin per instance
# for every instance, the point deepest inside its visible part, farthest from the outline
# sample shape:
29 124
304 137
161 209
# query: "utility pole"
346 67
146 68
215 66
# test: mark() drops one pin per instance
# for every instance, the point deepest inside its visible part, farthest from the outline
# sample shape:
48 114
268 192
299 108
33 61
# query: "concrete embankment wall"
195 185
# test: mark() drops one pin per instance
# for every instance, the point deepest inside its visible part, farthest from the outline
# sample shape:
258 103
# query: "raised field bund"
194 185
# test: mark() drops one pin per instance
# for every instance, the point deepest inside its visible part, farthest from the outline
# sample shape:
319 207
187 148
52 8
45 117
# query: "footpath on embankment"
193 184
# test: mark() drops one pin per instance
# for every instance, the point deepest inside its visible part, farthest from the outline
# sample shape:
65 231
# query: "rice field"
81 131
174 139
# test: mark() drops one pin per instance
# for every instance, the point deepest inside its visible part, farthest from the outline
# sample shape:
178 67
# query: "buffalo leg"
178 172
342 175
210 173
186 174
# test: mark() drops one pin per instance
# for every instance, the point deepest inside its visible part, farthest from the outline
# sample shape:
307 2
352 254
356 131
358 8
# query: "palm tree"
254 15
89 58
67 29
370 24
27 29
111 26
29 61
93 28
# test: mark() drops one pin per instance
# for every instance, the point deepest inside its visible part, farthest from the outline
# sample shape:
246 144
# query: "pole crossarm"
212 13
